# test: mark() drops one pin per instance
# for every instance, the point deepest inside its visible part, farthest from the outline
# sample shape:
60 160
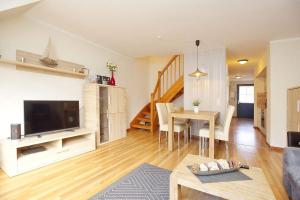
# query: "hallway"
242 132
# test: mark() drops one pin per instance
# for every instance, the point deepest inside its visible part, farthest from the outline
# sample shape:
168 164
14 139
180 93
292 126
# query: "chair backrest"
228 118
170 107
162 113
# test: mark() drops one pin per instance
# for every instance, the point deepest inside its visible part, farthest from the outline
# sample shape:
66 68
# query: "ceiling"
6 5
141 28
12 7
245 71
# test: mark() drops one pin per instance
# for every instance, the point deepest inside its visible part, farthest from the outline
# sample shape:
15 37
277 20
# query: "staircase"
168 87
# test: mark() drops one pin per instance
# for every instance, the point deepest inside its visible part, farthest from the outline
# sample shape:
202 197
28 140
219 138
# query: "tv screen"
49 116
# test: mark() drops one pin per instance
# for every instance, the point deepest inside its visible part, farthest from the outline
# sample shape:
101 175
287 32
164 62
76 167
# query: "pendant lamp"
197 73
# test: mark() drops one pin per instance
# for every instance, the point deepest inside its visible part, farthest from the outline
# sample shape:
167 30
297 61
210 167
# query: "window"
246 94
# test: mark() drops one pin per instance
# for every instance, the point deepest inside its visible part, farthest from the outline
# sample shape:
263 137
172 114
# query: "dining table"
210 116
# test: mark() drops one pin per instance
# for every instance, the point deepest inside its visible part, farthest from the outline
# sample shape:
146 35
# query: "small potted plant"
196 104
112 68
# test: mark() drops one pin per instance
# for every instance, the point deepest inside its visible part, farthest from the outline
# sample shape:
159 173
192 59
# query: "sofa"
291 172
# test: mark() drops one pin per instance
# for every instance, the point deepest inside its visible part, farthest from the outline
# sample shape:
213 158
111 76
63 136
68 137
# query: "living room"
124 74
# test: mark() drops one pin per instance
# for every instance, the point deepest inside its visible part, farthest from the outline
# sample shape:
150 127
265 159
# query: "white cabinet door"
123 125
113 100
293 110
122 100
117 126
117 116
114 126
117 101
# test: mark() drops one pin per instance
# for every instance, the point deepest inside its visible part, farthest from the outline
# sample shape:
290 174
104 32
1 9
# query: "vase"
196 109
112 79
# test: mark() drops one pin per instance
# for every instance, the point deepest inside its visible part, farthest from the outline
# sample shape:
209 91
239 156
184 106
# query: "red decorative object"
112 79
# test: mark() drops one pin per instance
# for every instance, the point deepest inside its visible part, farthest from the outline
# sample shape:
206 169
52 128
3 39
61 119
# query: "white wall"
156 63
211 90
30 35
282 74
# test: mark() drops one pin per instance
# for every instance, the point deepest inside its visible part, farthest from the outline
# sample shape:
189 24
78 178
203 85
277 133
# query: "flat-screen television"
50 116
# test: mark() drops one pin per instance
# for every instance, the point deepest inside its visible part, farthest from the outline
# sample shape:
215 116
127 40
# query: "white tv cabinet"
26 154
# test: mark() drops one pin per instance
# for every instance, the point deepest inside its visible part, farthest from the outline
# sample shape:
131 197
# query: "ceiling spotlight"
242 61
238 77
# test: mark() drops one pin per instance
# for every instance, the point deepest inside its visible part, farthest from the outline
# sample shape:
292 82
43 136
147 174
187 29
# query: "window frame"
238 93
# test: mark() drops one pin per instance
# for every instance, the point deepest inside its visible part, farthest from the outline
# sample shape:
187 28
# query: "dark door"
245 101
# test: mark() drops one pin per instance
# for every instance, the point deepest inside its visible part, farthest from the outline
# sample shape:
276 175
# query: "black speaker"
293 139
15 131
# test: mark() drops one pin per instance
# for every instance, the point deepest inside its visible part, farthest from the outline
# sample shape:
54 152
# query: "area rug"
145 182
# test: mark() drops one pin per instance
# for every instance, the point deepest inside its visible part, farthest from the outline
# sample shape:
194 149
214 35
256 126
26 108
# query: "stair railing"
171 73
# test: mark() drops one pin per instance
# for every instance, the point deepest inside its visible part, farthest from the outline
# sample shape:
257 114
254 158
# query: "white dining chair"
163 122
172 108
221 131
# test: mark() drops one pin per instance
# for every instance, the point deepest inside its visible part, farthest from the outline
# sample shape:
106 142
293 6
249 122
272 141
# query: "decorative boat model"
49 57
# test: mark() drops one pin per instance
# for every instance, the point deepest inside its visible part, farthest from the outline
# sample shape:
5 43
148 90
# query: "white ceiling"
6 5
12 7
132 27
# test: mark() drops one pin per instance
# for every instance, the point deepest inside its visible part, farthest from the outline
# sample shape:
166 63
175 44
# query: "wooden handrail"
169 63
165 80
163 71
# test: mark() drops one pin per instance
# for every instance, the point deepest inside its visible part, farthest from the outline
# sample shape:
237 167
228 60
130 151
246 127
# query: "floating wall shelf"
43 69
33 64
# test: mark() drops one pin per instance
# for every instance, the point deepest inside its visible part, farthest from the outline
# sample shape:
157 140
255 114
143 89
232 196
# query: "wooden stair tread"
141 126
144 119
146 113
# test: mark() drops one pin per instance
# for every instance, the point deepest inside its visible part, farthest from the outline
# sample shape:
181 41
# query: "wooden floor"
83 176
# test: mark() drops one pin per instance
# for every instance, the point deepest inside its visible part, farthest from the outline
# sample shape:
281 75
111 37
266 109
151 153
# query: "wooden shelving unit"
105 111
43 69
20 156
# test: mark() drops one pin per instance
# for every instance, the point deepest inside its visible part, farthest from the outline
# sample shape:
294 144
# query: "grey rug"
145 182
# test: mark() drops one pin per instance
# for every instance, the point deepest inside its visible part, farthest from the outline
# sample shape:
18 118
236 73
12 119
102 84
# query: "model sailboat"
49 57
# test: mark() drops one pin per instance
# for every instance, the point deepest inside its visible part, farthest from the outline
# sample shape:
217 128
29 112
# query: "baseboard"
128 129
278 149
259 130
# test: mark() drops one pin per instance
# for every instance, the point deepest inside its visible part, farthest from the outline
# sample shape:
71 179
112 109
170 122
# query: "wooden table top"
257 188
189 114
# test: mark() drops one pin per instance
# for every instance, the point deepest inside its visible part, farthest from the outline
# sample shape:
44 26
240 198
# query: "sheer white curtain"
211 90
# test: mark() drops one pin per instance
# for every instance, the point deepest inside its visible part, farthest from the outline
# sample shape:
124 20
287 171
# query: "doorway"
245 101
